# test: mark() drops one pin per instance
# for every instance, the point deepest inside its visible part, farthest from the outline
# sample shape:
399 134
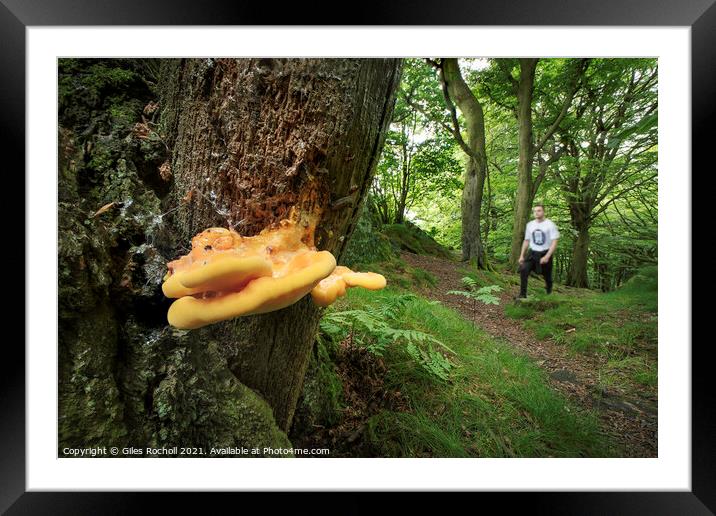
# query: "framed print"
437 249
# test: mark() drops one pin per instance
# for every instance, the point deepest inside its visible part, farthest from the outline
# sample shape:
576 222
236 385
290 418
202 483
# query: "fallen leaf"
103 209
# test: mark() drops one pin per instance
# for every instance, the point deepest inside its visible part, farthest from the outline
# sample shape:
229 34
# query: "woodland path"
629 419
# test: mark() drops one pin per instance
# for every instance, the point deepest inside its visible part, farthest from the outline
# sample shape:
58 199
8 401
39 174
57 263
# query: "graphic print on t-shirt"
538 237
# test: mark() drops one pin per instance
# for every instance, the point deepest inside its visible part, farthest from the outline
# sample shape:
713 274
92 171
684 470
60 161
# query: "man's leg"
525 270
547 271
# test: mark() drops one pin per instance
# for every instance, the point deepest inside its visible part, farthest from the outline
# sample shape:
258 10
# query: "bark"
125 378
578 275
525 193
476 167
256 137
404 182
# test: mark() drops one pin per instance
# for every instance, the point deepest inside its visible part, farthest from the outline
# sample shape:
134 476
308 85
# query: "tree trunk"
256 137
233 142
404 181
471 207
525 194
578 276
476 167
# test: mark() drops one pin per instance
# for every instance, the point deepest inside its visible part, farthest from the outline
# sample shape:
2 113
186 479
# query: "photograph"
357 257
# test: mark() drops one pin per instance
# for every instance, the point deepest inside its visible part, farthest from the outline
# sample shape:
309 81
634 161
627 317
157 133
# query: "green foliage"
424 277
518 311
606 160
497 403
419 159
374 328
410 237
433 361
366 244
619 325
477 293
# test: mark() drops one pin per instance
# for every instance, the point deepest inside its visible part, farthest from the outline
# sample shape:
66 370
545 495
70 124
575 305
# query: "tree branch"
575 82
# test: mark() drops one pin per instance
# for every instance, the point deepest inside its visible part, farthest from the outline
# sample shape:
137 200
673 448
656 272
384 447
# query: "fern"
470 283
433 362
476 293
374 328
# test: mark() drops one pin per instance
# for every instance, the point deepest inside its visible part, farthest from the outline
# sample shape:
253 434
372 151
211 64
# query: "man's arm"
550 252
525 243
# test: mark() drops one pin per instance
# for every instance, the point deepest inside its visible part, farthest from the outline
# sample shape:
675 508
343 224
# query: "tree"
418 159
395 181
231 142
273 134
559 85
456 92
610 145
415 163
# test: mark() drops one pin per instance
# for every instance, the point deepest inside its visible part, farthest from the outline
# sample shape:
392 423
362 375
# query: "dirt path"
631 421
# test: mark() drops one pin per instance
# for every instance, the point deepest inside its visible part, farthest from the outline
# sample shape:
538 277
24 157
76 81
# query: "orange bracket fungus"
334 286
226 275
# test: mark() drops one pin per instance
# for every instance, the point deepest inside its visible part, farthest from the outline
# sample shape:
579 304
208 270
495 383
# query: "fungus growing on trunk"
226 275
334 286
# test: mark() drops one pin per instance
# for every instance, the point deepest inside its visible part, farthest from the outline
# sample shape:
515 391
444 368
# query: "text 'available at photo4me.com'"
182 451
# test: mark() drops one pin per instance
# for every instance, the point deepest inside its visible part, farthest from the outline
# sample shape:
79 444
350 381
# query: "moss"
410 237
91 410
179 392
321 401
250 423
366 245
124 113
126 378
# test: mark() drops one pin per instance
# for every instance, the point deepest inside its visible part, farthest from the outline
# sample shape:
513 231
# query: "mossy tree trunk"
137 144
253 138
457 92
524 88
578 269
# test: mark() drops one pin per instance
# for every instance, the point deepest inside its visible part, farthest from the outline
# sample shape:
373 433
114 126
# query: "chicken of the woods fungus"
226 275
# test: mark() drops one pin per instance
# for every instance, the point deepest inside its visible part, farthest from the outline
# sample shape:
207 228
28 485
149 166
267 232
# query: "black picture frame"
700 15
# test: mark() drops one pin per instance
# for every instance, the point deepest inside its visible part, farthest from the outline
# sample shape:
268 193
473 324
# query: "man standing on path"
541 237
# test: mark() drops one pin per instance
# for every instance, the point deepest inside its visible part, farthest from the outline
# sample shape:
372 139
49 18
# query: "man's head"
538 211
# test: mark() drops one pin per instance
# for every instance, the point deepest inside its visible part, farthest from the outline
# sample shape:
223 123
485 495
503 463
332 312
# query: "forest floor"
616 380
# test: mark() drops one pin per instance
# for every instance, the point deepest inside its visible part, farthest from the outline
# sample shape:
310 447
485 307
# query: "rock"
564 375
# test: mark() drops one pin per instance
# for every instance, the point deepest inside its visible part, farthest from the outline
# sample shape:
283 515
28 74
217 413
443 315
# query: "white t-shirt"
541 234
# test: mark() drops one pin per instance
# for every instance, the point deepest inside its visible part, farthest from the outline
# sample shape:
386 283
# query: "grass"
621 325
496 402
400 274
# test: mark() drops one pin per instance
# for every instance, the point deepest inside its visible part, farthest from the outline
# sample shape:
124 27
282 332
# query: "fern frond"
372 327
469 282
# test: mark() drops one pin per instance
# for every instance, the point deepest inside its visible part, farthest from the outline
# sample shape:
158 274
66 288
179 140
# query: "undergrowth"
488 402
621 325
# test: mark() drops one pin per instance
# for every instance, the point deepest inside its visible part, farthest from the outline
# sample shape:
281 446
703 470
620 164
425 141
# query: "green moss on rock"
366 244
409 237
